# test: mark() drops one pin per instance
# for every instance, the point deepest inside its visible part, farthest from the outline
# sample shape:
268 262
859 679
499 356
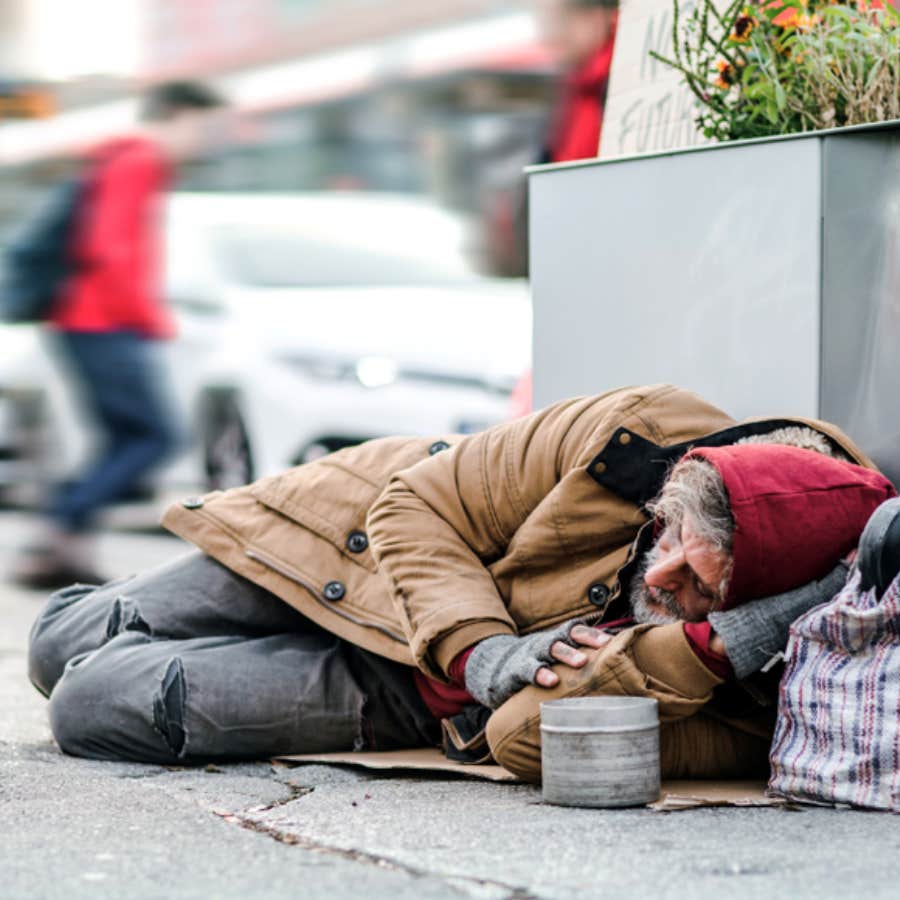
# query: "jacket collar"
634 468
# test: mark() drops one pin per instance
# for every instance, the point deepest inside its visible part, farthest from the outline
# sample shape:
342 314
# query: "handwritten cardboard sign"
647 108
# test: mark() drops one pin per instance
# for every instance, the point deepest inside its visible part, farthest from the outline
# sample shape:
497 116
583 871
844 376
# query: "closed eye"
703 590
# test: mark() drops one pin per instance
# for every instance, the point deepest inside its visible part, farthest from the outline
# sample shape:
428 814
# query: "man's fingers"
589 637
567 654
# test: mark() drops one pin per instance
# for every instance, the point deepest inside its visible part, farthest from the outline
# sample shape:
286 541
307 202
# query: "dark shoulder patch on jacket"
635 468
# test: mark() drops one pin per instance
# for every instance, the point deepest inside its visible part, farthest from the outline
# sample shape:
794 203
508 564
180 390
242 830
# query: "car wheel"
226 445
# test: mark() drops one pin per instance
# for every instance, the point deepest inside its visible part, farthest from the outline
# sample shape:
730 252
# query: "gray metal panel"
861 292
887 125
700 269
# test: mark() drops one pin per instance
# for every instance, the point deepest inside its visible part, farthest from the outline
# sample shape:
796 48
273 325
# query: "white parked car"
307 322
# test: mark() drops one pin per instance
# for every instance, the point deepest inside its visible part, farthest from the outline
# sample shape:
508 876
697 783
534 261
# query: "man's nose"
666 572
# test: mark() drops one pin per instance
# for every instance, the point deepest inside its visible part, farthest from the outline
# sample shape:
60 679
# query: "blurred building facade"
447 98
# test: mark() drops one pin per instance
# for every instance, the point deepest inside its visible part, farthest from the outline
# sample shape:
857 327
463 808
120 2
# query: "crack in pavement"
296 792
140 776
513 892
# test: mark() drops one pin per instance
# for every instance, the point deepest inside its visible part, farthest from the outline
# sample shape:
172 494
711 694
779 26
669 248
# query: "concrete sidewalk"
74 828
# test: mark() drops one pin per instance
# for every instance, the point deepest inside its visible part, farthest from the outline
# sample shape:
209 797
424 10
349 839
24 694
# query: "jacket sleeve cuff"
664 653
449 647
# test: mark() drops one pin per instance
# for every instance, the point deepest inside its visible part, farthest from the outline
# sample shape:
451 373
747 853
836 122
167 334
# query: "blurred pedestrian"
582 34
110 318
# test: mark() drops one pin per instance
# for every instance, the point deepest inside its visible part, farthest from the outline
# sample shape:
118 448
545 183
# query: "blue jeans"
123 382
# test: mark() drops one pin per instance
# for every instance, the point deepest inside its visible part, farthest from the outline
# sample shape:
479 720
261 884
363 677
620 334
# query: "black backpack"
37 263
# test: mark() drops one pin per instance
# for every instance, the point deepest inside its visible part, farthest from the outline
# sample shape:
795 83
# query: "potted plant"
786 66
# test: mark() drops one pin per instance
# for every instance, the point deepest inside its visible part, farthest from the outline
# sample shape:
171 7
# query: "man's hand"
583 635
500 666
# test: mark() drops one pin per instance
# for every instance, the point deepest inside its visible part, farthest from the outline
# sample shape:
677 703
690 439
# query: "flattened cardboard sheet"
674 796
424 759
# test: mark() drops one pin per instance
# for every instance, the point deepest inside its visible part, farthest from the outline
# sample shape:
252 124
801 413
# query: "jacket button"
624 438
437 447
600 468
334 591
192 502
598 593
357 541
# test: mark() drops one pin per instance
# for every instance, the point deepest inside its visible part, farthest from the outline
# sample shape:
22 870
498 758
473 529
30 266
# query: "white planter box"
763 274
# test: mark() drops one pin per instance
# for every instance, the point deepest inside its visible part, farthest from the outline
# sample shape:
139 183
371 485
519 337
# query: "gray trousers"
190 662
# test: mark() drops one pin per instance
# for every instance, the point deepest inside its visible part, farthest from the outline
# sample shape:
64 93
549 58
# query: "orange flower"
774 4
787 18
725 78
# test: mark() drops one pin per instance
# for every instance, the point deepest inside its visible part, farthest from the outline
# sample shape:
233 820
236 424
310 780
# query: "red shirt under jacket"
446 700
117 245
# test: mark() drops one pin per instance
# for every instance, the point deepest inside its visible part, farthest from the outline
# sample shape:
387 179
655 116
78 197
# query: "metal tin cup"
600 751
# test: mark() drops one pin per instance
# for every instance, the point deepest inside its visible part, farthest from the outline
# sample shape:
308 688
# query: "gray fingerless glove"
500 666
755 632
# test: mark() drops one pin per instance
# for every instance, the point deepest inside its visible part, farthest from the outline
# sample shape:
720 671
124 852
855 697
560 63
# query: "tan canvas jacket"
417 548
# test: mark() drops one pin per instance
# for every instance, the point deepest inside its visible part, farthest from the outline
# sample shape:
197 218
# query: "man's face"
682 577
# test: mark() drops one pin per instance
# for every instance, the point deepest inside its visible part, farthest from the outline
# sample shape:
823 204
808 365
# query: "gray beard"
643 603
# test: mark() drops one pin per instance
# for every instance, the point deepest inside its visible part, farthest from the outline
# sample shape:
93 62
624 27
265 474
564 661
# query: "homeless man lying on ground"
359 601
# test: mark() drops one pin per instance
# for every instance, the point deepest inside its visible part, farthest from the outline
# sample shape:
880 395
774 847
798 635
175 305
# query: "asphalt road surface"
73 828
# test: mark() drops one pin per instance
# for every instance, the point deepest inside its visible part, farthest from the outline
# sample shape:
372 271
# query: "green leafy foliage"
782 66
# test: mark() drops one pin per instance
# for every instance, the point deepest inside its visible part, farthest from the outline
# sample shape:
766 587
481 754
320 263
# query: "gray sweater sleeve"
755 632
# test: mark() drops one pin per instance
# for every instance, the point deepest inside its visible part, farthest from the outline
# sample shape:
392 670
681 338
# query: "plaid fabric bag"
837 738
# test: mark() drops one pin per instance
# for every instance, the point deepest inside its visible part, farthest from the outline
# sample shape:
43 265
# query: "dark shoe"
46 572
879 547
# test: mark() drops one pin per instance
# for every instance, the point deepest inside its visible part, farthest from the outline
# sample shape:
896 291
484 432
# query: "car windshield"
276 258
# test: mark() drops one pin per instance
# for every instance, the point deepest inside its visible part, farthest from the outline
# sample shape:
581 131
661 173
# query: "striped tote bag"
837 738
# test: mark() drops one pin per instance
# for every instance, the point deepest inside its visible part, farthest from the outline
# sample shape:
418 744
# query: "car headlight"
376 371
380 371
369 371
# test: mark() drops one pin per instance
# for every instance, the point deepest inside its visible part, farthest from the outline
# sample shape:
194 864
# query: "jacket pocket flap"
329 500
